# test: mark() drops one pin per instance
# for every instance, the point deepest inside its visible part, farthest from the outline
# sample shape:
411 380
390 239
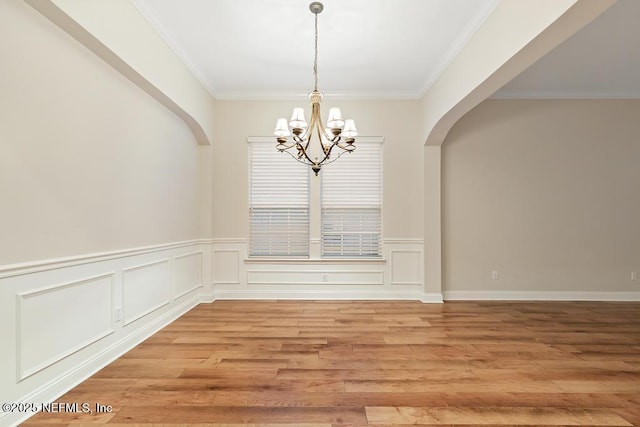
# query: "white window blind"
352 204
278 203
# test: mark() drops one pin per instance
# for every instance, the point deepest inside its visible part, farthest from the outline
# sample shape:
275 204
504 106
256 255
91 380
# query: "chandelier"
338 132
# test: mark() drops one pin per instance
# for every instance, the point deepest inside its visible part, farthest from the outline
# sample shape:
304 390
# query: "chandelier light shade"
333 140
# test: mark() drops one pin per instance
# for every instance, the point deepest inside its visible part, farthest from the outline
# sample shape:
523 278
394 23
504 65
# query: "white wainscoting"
399 274
67 318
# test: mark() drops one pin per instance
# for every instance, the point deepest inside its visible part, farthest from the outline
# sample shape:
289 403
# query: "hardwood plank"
599 386
477 386
297 424
311 399
282 355
379 374
539 373
41 419
520 416
216 372
391 363
235 414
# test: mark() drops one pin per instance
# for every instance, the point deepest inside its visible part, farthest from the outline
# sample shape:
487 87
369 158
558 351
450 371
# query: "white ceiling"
378 48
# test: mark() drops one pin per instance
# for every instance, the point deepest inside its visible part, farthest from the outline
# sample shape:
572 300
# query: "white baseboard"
539 296
301 294
207 298
60 385
431 298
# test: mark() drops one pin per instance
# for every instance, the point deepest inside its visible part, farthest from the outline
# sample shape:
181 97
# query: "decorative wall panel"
406 267
226 266
187 273
145 288
315 277
59 320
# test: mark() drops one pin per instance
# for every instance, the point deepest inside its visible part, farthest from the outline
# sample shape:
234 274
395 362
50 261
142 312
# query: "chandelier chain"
315 58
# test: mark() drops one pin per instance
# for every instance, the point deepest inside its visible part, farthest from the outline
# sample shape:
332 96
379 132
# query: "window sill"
265 260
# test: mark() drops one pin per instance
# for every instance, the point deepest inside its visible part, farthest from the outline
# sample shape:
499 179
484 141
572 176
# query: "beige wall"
397 121
135 48
544 192
89 162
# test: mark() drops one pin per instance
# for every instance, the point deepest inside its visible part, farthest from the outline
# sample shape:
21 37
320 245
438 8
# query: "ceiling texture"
394 49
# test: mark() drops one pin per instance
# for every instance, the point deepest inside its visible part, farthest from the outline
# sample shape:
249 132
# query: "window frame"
314 199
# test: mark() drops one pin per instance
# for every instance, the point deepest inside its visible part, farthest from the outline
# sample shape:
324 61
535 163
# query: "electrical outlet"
634 275
118 314
494 275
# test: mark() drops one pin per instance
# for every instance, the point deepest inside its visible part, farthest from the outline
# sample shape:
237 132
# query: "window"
352 204
349 192
278 203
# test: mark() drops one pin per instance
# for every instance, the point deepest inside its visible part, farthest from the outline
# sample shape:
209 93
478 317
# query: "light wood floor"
345 363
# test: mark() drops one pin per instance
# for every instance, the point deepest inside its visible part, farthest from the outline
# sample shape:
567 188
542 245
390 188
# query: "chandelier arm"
327 153
302 143
287 146
344 147
335 158
313 125
319 134
309 131
303 151
304 138
331 137
296 158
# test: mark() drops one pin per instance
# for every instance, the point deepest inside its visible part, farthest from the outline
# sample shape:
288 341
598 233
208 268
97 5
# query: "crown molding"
533 94
158 24
279 96
457 46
